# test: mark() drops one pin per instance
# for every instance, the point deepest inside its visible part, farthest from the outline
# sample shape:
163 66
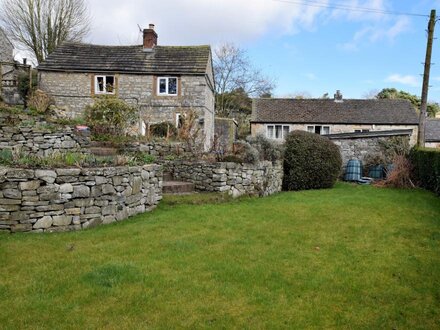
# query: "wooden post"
1 79
30 78
425 86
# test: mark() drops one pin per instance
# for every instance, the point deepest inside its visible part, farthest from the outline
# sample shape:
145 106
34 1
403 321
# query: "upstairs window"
278 132
104 84
167 86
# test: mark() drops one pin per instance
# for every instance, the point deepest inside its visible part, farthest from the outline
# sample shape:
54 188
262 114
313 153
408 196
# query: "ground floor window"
361 130
278 132
318 129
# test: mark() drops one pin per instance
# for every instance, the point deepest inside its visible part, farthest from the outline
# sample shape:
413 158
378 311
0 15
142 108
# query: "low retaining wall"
261 179
72 199
162 149
40 139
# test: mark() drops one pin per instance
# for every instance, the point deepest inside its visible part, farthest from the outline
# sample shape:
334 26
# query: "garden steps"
98 148
171 186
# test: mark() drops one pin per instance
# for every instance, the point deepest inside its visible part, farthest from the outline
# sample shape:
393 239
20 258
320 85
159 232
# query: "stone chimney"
338 96
150 38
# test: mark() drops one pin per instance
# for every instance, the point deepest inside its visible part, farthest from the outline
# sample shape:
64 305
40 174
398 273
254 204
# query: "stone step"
177 187
167 176
103 151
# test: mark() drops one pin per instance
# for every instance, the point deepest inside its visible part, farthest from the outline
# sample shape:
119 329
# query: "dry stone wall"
40 139
236 179
72 198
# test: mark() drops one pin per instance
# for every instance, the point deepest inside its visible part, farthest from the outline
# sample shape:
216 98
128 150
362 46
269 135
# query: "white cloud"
197 21
404 80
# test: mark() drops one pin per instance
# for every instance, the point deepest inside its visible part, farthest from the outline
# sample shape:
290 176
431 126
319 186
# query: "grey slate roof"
327 111
78 57
432 130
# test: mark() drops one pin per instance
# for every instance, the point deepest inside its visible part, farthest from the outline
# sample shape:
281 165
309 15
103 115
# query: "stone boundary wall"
72 198
359 145
40 139
236 179
162 149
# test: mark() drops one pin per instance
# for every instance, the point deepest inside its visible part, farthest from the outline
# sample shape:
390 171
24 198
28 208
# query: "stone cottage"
163 82
275 118
9 71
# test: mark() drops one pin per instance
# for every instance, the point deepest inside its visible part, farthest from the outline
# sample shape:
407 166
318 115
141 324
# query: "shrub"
400 175
246 152
426 168
394 146
39 101
6 157
163 130
310 162
110 115
269 150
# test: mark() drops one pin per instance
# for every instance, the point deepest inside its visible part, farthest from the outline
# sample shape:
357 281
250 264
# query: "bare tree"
41 25
234 71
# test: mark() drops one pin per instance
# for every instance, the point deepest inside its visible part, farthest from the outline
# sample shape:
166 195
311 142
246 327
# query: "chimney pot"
338 96
150 38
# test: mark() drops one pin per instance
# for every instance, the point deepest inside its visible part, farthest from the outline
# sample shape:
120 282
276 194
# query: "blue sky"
356 56
304 48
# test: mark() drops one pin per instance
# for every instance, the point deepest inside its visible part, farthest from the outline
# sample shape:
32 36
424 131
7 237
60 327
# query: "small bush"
110 116
246 152
426 168
269 150
39 101
6 157
400 175
163 130
310 162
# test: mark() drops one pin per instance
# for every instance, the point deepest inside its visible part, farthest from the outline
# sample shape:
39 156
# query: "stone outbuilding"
10 71
275 118
163 82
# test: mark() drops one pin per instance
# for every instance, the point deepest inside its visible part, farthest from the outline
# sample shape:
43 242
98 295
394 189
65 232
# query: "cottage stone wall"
261 179
337 129
72 199
40 139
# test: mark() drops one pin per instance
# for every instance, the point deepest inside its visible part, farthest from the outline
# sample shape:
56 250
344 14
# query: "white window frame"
274 131
97 91
166 93
311 129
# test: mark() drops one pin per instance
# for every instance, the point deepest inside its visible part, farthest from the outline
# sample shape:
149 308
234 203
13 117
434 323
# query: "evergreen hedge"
311 161
426 168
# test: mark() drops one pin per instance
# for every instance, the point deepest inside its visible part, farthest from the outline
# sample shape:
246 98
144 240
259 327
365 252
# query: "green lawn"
350 257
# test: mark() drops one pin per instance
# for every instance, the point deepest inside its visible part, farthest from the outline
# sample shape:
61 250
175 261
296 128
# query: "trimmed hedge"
426 163
311 161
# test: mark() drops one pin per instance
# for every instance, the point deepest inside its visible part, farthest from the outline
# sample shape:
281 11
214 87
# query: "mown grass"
349 257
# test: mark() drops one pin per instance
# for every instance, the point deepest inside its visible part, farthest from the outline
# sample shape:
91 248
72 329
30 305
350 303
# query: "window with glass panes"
167 86
104 84
278 132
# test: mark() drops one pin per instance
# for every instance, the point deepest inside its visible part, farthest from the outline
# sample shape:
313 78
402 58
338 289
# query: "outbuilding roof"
329 111
79 57
432 130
